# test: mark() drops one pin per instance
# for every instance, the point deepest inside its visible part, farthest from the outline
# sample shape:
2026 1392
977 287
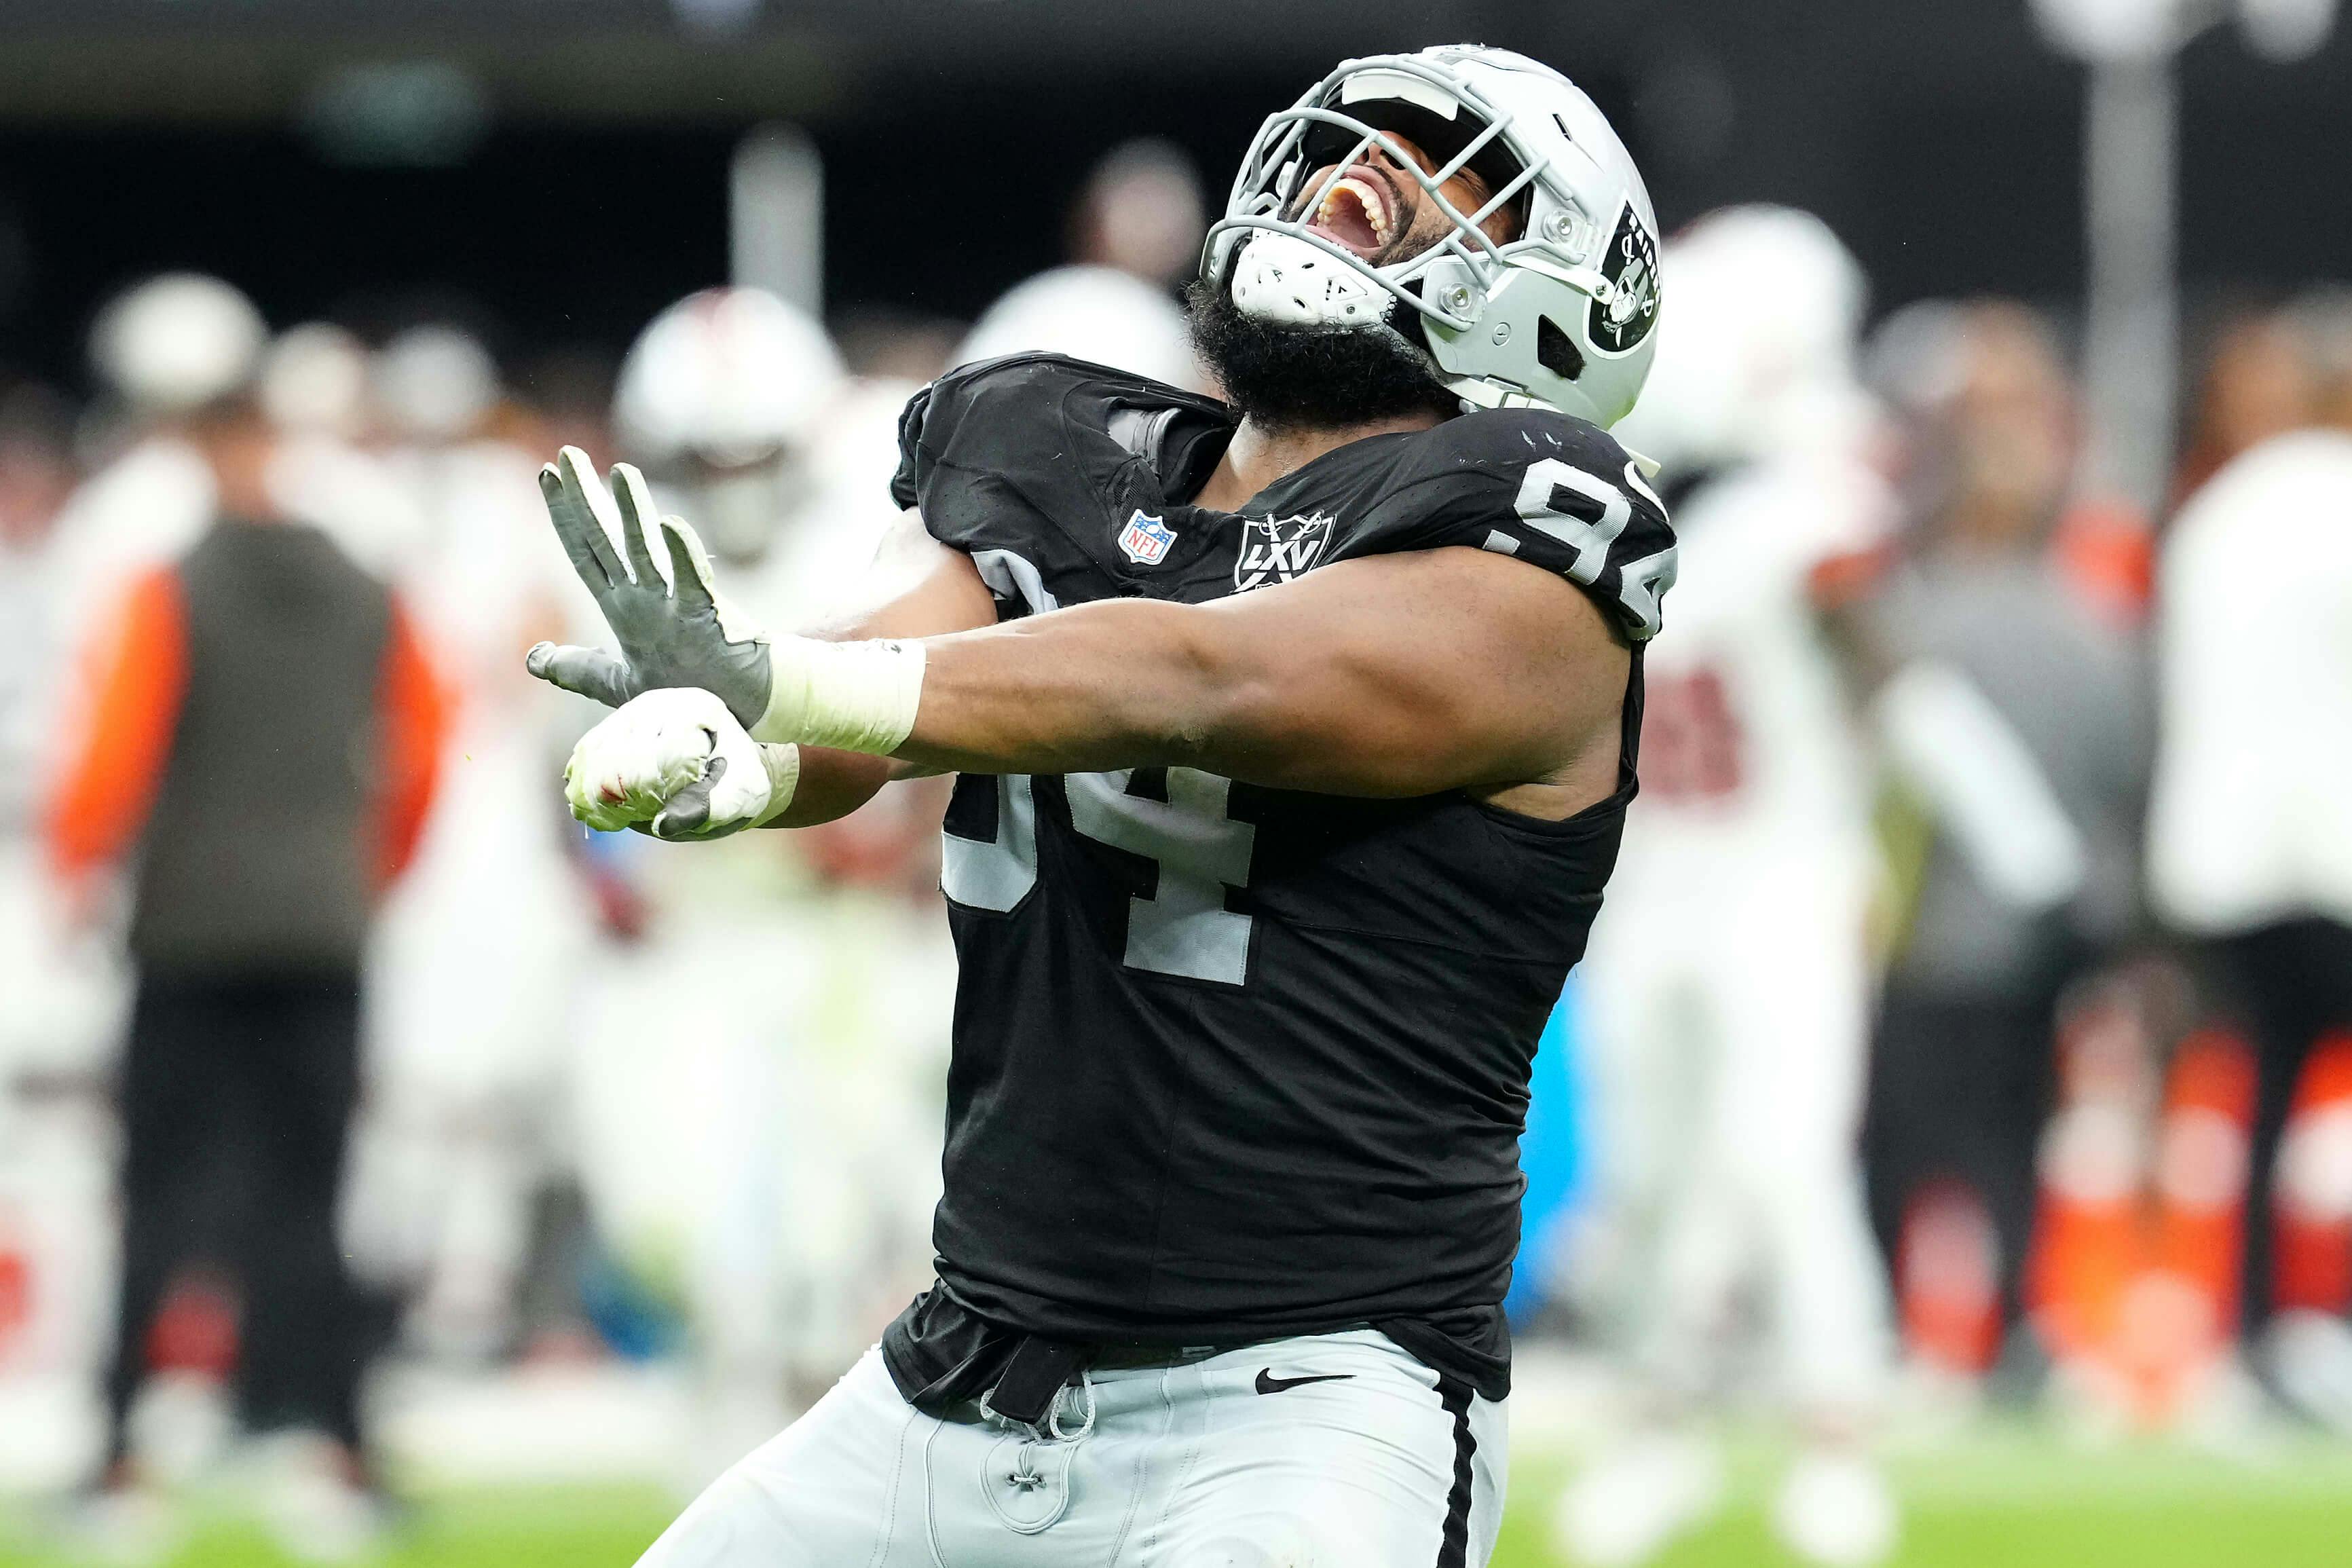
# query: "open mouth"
1357 215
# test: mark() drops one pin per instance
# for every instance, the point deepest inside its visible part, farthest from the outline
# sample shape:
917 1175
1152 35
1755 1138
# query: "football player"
1728 989
1294 736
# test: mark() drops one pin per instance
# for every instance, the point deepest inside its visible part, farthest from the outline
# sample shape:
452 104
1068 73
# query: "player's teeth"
1367 201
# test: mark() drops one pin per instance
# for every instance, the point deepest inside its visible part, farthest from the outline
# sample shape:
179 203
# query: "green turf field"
1998 1501
2025 1501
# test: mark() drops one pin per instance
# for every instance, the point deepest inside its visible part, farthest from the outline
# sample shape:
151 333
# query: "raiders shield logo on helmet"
1276 549
1632 263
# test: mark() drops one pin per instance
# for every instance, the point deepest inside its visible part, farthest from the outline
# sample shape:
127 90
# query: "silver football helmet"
1560 316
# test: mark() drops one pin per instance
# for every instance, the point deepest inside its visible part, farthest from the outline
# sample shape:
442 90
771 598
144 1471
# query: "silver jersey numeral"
1591 541
998 873
1183 928
1641 583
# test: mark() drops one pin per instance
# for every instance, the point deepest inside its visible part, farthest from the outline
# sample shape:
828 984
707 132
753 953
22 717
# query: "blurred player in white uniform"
50 1024
1727 983
776 1153
1136 235
478 954
56 1187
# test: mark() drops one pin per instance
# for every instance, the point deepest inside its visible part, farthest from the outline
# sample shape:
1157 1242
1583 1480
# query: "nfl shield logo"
1276 549
1146 539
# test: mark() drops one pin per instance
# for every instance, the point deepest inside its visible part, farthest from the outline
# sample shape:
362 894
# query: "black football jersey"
1231 1062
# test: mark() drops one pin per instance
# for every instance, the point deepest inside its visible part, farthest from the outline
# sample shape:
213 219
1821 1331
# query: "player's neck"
1257 456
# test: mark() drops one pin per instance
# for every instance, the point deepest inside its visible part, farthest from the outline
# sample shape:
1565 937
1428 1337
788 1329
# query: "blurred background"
1945 1154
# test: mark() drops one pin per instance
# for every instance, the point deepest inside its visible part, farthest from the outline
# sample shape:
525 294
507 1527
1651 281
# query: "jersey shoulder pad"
995 451
1545 487
998 416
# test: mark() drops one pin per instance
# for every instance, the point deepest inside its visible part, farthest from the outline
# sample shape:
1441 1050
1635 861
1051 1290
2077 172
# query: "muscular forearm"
1121 684
835 784
1138 683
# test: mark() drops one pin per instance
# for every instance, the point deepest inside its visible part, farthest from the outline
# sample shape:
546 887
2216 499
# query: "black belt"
1040 1368
1033 1375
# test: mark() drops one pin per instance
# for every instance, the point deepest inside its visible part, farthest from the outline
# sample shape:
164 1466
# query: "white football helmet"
1762 353
721 399
314 381
727 375
1095 313
173 343
434 383
1561 316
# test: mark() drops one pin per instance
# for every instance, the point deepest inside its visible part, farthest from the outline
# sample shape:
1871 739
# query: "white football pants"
1231 1462
1728 1010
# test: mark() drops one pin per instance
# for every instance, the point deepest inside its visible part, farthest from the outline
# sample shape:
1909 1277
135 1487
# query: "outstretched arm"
1394 675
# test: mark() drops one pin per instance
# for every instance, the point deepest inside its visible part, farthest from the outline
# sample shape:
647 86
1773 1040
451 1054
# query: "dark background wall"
579 183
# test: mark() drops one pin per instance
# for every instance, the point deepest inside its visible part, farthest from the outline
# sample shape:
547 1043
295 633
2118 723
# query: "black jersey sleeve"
986 452
1040 454
1541 487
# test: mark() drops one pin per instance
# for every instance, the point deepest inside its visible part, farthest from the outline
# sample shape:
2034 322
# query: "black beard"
1310 378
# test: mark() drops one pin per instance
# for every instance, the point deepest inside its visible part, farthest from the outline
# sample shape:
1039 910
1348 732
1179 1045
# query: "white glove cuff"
849 696
783 765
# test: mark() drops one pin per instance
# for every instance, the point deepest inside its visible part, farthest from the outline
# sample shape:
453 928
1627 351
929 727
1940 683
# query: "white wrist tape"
849 695
783 765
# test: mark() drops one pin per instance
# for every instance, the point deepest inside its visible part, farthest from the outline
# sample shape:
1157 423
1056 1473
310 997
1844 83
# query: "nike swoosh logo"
1269 1384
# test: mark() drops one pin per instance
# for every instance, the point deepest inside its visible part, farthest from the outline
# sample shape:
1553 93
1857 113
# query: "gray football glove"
672 633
